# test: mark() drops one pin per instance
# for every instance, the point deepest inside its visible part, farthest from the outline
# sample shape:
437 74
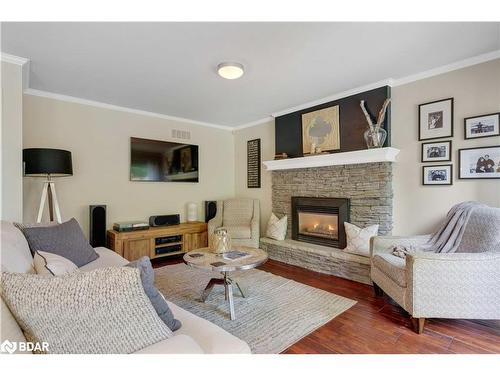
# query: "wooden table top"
209 260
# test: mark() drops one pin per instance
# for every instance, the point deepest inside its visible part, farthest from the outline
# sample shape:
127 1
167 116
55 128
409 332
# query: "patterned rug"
276 312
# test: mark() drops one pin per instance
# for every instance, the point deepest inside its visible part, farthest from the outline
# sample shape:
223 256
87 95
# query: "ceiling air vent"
181 134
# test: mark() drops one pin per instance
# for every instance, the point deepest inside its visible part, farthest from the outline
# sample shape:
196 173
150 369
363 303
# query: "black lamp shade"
40 162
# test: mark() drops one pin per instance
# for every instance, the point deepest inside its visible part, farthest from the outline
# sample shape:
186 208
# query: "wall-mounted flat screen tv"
152 160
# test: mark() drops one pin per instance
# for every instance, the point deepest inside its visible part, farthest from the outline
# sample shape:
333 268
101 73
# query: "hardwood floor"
378 325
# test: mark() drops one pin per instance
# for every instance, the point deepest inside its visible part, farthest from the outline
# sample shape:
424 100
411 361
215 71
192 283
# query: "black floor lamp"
48 163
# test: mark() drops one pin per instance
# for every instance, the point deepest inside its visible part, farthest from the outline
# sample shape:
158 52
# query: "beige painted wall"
476 91
417 208
99 140
265 132
11 140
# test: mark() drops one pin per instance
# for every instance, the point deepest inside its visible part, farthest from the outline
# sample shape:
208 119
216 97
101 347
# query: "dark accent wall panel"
352 122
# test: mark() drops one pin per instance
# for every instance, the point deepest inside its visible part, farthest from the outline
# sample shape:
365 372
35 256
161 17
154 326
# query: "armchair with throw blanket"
241 218
455 273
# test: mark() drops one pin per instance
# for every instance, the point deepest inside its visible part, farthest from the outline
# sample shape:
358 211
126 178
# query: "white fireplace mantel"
374 155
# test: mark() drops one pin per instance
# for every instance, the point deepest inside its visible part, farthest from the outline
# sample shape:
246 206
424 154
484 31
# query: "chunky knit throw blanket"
448 237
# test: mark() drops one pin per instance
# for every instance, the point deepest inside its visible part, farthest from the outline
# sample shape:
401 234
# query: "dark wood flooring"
378 325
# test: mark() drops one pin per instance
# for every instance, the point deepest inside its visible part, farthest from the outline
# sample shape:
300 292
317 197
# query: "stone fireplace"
318 200
367 186
320 220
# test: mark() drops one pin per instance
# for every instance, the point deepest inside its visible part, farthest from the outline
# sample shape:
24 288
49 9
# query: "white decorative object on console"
192 212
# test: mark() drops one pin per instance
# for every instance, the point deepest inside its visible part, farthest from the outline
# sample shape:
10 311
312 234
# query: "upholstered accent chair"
460 285
241 218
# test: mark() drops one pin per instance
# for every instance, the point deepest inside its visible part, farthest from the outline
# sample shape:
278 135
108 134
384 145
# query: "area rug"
276 312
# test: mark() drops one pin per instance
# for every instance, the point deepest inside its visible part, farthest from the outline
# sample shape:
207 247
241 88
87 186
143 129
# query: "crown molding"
387 82
93 103
254 123
6 57
399 81
23 62
340 95
448 68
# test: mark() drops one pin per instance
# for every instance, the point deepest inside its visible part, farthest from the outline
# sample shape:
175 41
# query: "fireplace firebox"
320 220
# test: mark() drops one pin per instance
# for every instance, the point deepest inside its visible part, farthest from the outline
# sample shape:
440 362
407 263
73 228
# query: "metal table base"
228 291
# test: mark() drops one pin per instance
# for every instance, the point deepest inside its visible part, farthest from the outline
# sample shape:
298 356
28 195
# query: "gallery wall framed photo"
437 174
435 119
479 162
436 151
482 126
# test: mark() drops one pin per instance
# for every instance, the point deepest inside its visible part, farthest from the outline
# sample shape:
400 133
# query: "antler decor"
381 115
367 115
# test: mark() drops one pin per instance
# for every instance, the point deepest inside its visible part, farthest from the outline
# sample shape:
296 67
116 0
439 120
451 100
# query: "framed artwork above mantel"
321 130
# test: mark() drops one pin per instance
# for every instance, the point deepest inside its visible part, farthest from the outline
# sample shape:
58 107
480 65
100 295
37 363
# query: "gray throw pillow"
157 300
66 240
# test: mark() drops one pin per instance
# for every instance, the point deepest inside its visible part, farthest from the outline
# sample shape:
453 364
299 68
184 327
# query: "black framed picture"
482 126
253 163
437 174
436 151
435 119
479 162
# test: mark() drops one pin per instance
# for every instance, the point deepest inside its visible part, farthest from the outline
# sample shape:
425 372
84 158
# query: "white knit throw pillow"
101 311
276 228
358 239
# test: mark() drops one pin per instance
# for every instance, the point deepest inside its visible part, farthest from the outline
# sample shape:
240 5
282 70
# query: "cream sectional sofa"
196 336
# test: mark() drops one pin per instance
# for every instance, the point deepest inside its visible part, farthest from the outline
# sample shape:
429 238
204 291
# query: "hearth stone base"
318 258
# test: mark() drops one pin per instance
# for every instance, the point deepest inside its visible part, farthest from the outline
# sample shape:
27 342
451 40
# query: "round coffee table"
206 260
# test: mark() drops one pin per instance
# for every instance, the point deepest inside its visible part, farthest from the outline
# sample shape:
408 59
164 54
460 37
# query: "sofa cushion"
211 338
238 231
237 212
159 303
66 240
107 258
9 329
392 266
102 311
179 344
15 253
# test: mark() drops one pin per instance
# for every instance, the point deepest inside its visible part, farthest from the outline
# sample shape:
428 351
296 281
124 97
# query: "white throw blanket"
448 237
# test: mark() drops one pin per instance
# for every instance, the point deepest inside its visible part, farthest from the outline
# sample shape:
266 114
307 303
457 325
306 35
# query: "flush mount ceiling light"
230 70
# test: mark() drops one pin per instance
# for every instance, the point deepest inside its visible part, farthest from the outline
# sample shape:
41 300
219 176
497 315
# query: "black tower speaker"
210 210
97 225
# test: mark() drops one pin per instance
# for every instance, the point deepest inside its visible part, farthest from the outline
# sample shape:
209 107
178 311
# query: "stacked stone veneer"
368 186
